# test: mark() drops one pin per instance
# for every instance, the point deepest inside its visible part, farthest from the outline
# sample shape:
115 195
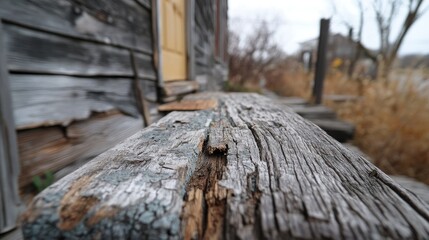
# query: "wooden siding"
9 165
52 148
210 30
73 62
122 23
204 36
76 66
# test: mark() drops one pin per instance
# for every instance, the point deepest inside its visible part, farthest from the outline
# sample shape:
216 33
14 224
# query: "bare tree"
386 12
251 57
389 54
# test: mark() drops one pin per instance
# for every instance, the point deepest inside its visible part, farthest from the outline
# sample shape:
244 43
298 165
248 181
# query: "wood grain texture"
145 66
123 23
52 148
279 177
129 177
9 162
38 52
46 100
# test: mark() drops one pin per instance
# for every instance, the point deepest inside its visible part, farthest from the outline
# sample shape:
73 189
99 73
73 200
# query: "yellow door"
173 40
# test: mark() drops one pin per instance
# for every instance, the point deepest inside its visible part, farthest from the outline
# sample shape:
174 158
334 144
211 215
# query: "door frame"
189 38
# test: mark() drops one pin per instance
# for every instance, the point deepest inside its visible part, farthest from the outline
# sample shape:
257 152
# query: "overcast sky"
298 20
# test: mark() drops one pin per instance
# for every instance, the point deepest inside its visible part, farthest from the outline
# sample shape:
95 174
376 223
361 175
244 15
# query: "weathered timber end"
248 169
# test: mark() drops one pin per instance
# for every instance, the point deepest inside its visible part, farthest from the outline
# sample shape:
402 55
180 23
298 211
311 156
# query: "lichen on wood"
250 169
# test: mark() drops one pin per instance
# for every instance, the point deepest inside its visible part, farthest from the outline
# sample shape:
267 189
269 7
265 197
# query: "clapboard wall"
210 38
204 36
77 72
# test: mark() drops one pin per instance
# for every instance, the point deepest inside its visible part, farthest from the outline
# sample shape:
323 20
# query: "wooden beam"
9 162
250 169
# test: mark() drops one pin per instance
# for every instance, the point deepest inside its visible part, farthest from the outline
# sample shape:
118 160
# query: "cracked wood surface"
250 169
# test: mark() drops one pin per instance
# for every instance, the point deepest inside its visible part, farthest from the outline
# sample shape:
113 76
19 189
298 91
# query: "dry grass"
392 120
290 81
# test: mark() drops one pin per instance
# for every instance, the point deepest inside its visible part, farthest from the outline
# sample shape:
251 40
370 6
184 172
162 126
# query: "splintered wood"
249 169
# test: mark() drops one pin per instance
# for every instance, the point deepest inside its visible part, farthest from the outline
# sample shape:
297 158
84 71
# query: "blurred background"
377 68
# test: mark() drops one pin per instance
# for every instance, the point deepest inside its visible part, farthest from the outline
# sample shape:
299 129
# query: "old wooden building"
77 77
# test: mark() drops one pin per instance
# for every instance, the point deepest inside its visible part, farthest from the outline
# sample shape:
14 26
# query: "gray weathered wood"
45 100
179 88
291 101
9 162
203 38
314 112
145 66
15 234
123 23
414 186
52 148
339 130
156 31
38 52
279 177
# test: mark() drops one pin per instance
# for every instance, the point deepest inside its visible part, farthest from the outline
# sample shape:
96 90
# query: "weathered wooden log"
249 169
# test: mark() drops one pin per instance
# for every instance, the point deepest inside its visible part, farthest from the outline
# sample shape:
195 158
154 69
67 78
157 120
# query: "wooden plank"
146 3
339 130
314 112
292 101
342 98
32 51
418 188
9 162
12 235
46 100
170 164
122 23
149 90
189 105
179 88
145 66
52 148
280 177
